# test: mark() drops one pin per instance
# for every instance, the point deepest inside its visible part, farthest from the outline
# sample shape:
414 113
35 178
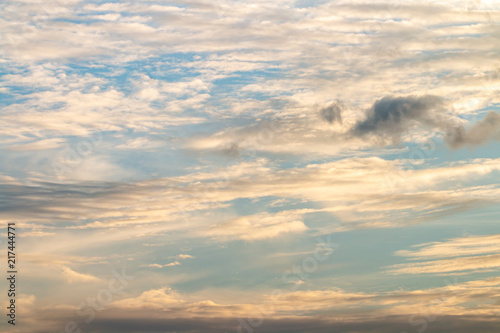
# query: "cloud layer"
213 149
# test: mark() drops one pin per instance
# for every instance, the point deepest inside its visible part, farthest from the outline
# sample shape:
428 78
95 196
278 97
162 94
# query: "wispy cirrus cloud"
472 253
456 247
448 265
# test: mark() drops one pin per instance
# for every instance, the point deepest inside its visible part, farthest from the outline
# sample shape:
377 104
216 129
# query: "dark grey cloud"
332 113
390 116
484 130
55 202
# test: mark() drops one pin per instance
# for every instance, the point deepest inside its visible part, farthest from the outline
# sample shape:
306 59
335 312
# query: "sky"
287 166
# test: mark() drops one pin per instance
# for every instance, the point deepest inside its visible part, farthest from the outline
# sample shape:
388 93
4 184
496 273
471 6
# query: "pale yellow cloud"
448 265
456 247
154 299
340 304
185 256
174 263
360 192
39 145
72 276
471 253
257 227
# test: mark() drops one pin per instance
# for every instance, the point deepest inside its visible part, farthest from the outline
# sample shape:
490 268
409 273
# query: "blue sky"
265 166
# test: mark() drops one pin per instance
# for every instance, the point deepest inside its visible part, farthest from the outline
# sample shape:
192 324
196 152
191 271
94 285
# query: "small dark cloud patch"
485 130
332 113
231 150
390 117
